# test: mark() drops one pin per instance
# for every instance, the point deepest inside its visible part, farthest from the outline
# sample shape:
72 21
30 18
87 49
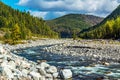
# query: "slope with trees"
27 25
109 28
66 25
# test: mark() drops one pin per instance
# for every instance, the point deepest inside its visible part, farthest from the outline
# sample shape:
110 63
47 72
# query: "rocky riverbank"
102 52
89 49
13 67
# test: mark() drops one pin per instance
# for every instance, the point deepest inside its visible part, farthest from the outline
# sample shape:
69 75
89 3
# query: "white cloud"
60 13
71 5
97 7
38 14
23 2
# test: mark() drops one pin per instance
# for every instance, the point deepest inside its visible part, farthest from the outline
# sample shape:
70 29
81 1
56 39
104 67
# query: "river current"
82 68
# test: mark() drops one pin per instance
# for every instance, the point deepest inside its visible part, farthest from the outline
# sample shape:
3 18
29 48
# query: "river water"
82 68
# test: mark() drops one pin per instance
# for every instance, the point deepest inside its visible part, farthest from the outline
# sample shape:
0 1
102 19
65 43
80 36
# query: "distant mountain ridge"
109 28
65 25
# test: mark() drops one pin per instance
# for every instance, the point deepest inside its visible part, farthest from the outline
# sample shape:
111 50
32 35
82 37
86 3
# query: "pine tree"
15 33
74 35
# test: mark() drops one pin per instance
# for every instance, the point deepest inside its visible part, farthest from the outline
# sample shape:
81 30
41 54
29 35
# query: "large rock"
8 73
25 72
49 76
41 70
2 51
12 64
65 73
55 75
45 65
51 69
25 64
35 75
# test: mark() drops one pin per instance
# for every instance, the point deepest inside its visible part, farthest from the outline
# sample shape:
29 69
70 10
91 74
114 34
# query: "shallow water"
83 69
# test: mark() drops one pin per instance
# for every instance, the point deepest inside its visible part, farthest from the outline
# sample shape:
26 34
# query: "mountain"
65 25
23 22
109 28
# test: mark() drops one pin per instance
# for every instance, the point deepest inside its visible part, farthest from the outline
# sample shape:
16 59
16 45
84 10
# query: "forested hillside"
21 24
109 28
68 24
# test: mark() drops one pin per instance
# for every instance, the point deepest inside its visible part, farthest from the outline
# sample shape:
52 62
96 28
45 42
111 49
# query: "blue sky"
50 9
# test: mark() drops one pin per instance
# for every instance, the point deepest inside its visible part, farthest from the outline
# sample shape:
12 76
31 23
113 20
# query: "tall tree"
15 33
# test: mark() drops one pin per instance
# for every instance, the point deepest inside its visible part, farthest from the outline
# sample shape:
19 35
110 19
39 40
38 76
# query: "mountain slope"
27 23
65 25
108 28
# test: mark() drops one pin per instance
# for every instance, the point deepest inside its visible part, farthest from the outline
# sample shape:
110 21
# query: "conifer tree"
15 33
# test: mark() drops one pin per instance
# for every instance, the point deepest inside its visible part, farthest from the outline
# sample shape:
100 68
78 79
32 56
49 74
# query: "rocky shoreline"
13 67
95 49
103 50
100 51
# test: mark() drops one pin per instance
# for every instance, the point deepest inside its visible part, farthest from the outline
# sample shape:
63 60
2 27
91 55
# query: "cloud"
23 2
47 15
38 14
70 5
97 7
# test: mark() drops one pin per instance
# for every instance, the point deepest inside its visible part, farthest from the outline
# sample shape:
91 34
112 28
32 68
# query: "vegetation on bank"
18 25
109 28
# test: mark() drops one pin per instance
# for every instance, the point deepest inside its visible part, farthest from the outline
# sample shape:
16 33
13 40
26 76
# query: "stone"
12 64
43 78
41 71
49 76
35 75
51 69
1 60
1 56
105 63
55 75
8 72
65 73
24 64
2 51
45 65
25 72
17 73
18 62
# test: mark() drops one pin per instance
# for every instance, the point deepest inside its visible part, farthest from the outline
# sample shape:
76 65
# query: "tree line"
109 30
14 22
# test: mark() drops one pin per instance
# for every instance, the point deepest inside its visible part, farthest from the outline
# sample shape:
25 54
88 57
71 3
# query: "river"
82 68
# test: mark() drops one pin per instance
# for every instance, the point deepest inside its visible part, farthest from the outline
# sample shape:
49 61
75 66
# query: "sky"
50 9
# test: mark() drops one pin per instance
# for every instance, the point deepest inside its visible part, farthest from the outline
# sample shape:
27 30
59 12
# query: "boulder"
55 75
51 69
12 64
43 78
45 65
49 76
2 51
25 72
105 63
17 73
35 75
65 73
41 70
24 64
8 72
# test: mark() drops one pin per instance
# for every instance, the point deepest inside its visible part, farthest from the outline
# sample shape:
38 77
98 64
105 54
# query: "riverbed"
84 57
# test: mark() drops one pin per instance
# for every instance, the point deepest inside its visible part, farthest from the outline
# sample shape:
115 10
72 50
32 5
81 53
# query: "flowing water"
83 69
